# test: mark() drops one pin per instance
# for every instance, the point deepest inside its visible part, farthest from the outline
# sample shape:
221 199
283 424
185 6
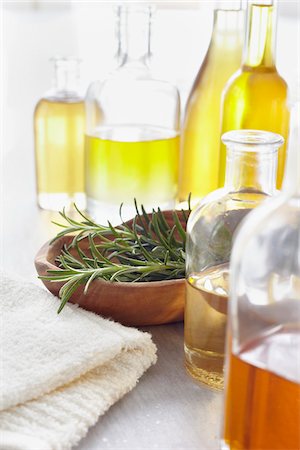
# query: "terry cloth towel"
60 372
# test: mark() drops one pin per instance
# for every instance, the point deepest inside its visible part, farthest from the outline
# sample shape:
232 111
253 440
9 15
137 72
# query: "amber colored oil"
59 148
262 396
128 162
256 96
205 325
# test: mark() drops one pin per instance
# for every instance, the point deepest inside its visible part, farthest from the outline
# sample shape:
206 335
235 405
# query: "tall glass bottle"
200 139
132 141
59 121
250 179
256 96
262 395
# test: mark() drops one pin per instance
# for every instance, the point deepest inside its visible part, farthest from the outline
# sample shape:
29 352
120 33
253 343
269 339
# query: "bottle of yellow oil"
256 96
132 129
59 122
200 143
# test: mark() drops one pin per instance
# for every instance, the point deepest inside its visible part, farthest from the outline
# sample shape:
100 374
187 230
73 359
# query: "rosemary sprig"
145 249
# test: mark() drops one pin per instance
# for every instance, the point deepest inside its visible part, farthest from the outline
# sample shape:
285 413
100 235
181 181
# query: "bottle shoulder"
56 96
212 225
210 80
220 203
269 221
245 79
130 78
54 105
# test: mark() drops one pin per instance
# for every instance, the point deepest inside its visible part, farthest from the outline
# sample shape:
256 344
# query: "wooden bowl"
132 304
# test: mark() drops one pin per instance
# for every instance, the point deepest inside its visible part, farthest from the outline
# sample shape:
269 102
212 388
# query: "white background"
34 31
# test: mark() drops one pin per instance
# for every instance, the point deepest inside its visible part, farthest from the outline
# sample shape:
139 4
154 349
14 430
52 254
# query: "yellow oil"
205 325
127 162
59 149
200 146
256 97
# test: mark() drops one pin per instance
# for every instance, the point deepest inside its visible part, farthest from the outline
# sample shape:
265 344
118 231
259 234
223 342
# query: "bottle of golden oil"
250 179
256 96
132 134
59 121
200 139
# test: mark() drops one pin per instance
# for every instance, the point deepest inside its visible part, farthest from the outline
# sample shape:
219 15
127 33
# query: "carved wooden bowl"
132 304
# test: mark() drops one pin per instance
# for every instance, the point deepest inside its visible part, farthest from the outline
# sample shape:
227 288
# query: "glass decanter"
257 96
200 138
132 134
262 390
59 122
250 179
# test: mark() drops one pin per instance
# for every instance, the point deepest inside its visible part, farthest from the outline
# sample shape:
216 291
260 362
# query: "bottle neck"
227 29
251 170
66 79
134 33
260 39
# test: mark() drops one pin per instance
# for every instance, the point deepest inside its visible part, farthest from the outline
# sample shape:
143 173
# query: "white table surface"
166 410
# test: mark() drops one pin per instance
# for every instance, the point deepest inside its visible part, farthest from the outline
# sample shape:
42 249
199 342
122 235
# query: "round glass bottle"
200 139
250 179
132 140
262 390
59 121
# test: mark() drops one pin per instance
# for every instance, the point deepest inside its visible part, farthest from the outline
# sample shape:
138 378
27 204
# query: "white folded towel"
60 372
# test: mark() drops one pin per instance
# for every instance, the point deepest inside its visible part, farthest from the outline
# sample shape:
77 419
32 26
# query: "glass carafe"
132 140
250 179
256 96
200 138
262 391
59 121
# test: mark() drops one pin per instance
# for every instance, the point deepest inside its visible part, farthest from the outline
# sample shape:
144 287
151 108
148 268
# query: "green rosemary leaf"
189 202
179 226
88 220
145 215
94 275
164 227
144 226
67 290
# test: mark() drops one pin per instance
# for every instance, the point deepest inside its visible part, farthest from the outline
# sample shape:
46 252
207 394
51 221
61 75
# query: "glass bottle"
250 179
59 121
200 139
256 96
132 134
262 394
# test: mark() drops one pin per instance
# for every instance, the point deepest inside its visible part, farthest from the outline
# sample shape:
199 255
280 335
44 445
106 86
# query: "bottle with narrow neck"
262 355
132 134
59 121
250 179
135 33
199 168
256 96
